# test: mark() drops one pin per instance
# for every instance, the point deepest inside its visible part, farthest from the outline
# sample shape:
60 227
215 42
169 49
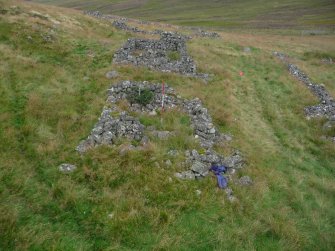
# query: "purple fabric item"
218 169
222 181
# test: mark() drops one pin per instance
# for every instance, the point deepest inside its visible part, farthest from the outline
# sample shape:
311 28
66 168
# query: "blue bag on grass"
218 170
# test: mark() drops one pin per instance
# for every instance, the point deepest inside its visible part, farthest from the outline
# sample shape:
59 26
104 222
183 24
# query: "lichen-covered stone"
245 181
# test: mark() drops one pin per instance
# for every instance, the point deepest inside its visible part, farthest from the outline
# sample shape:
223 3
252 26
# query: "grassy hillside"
256 14
53 88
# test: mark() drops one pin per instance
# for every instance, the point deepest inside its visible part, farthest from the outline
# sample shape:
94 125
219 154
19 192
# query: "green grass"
52 94
259 14
174 55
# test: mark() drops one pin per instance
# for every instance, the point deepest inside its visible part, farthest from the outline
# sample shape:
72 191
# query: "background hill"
53 88
255 14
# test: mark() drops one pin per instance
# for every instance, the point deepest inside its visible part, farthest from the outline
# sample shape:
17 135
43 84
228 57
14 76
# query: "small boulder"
246 49
230 195
226 137
144 141
200 168
168 163
67 168
212 130
245 181
153 113
234 161
173 153
85 145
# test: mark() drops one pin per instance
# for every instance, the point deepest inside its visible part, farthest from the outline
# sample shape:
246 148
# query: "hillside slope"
53 88
255 14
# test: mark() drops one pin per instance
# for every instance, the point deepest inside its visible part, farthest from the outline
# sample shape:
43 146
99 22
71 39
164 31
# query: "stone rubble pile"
199 164
109 128
168 54
326 108
202 123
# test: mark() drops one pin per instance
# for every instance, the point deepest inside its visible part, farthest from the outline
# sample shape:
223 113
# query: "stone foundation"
110 127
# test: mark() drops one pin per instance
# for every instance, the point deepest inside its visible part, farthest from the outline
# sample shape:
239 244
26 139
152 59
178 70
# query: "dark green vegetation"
140 96
53 88
257 14
174 55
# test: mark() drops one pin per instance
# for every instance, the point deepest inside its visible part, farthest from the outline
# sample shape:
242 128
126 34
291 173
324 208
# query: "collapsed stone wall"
168 54
326 107
99 15
123 26
125 125
93 13
120 23
110 127
208 34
